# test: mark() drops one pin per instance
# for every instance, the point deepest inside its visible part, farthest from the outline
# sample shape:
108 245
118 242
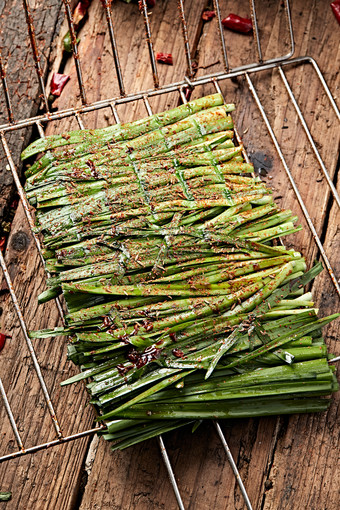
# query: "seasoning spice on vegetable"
78 16
238 24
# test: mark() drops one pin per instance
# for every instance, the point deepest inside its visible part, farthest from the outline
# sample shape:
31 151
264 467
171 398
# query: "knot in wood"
20 241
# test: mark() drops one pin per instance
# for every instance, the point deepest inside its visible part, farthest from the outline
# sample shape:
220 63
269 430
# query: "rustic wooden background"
285 462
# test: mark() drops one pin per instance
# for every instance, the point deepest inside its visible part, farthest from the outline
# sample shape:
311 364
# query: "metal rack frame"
180 87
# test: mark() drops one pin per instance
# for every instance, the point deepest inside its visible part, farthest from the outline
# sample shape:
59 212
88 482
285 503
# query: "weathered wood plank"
21 76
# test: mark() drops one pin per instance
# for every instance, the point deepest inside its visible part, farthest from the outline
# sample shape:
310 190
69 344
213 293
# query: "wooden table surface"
285 462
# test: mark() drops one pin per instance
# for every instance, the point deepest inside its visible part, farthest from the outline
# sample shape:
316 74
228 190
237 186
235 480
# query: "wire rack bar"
10 416
256 30
294 186
171 474
147 105
107 5
183 91
221 35
75 52
79 120
40 129
36 56
185 36
55 442
309 136
233 465
144 10
114 111
30 346
26 207
5 89
19 188
313 62
166 89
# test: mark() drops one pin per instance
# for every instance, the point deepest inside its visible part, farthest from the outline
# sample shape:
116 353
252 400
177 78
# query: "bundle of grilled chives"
180 306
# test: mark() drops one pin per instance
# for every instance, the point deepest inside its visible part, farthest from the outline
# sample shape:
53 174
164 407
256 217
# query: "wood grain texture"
50 477
285 463
22 81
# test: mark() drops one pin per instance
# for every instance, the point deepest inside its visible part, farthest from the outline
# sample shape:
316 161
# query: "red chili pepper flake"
164 58
173 337
2 243
58 83
178 353
238 24
3 340
124 338
208 15
133 355
91 165
148 326
139 359
336 10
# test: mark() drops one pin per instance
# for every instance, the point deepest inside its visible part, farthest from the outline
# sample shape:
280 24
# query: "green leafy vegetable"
181 307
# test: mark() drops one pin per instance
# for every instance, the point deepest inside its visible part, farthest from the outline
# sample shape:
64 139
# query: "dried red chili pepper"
3 340
2 243
336 10
208 15
58 82
80 12
164 58
238 24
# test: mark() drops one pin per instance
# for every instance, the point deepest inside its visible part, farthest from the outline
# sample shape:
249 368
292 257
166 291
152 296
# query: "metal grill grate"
189 82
